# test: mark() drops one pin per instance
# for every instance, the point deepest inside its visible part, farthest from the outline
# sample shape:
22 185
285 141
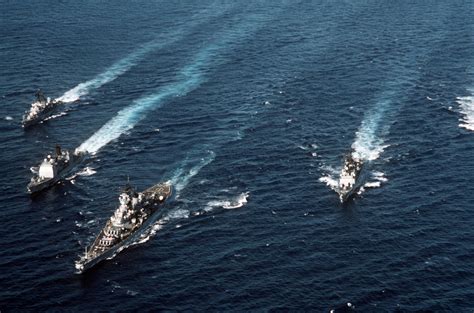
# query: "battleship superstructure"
41 109
54 168
351 177
126 225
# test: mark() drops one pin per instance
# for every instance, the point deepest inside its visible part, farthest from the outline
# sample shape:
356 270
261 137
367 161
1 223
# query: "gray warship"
351 177
54 168
126 225
41 109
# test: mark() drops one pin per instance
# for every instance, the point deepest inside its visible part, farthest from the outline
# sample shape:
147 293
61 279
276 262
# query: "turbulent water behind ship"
248 110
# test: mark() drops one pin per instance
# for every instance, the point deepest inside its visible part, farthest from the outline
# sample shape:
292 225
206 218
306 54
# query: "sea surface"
247 108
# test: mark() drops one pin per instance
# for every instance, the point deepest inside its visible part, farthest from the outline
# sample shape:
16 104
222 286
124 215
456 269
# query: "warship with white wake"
351 176
133 215
41 109
54 168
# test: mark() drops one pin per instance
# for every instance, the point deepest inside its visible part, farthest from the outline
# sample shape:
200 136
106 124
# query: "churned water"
247 108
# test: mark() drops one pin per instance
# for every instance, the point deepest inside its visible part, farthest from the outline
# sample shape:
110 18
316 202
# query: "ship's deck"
159 189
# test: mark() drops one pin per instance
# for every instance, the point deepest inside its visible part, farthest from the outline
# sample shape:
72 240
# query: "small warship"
350 177
54 168
126 225
41 109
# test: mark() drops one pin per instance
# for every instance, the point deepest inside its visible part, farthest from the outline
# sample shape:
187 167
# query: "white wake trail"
189 168
369 144
122 66
188 79
110 74
466 106
228 204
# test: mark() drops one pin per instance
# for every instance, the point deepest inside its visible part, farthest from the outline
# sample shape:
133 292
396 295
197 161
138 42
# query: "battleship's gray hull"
82 267
84 264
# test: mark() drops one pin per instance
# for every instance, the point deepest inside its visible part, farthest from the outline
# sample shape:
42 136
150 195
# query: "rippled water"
248 109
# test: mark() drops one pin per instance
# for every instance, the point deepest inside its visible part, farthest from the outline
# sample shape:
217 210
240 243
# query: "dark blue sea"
247 108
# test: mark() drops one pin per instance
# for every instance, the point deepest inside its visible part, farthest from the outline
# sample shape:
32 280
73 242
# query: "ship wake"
181 177
55 116
369 143
189 78
466 106
331 179
124 65
174 216
226 203
189 168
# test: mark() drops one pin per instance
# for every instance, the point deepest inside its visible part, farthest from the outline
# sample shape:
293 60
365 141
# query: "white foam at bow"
379 176
55 116
330 181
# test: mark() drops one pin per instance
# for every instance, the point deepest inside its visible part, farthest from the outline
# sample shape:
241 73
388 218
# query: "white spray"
368 144
466 105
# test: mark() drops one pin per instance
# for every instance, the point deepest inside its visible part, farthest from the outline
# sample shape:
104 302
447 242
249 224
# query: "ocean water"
247 108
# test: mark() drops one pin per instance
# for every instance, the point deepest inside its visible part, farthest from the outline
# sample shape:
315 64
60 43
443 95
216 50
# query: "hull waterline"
125 229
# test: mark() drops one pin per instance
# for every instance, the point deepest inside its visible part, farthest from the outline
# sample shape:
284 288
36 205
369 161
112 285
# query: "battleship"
41 109
54 168
133 215
351 177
